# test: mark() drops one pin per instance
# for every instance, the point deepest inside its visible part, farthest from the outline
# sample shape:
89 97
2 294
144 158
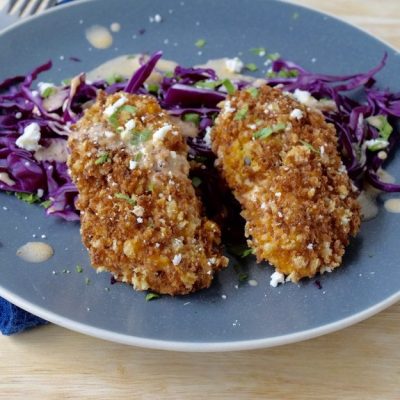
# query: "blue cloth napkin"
12 318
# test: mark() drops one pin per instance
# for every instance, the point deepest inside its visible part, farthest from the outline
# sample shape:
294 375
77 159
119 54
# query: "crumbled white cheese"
43 86
234 65
129 126
138 211
29 140
296 114
223 296
304 97
207 136
157 245
139 220
159 134
263 206
132 164
276 279
173 154
177 259
109 134
40 192
322 150
111 109
382 155
228 107
252 126
278 194
310 246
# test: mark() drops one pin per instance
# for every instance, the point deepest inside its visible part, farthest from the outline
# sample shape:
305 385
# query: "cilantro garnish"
48 92
102 159
152 296
140 137
381 123
258 51
247 252
230 88
192 117
46 203
309 146
153 87
243 277
251 67
241 114
200 43
28 197
268 131
79 269
253 92
115 78
123 196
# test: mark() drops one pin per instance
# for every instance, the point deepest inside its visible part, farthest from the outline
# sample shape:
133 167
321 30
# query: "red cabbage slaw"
365 128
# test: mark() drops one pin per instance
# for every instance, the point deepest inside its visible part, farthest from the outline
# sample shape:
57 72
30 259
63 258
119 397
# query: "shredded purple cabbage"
185 92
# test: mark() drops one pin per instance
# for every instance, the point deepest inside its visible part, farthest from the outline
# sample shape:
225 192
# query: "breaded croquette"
280 158
140 217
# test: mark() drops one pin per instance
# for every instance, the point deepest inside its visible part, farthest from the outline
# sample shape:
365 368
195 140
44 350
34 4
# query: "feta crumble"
29 140
111 109
228 107
234 65
177 259
132 164
276 279
138 211
159 134
296 114
207 136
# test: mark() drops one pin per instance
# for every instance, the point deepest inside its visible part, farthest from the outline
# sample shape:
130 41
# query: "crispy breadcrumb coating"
280 158
140 217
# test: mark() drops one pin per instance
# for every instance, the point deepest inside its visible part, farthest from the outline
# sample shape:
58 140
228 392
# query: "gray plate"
249 317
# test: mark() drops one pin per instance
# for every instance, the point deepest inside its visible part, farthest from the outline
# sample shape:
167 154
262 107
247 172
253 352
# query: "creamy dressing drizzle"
392 205
35 252
99 37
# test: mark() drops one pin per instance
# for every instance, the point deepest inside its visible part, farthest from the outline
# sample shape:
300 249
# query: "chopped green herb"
377 144
268 131
200 43
273 56
46 203
309 146
152 296
87 281
27 197
241 114
283 73
123 196
208 84
247 252
229 86
48 92
138 156
381 123
192 117
253 92
66 82
113 119
102 159
251 67
196 181
79 269
141 137
169 74
153 87
115 78
258 51
295 15
128 108
243 277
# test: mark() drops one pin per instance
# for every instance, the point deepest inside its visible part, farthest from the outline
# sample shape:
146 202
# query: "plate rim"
182 346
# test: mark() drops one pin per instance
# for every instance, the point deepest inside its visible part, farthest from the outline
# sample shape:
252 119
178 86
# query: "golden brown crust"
141 221
298 202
